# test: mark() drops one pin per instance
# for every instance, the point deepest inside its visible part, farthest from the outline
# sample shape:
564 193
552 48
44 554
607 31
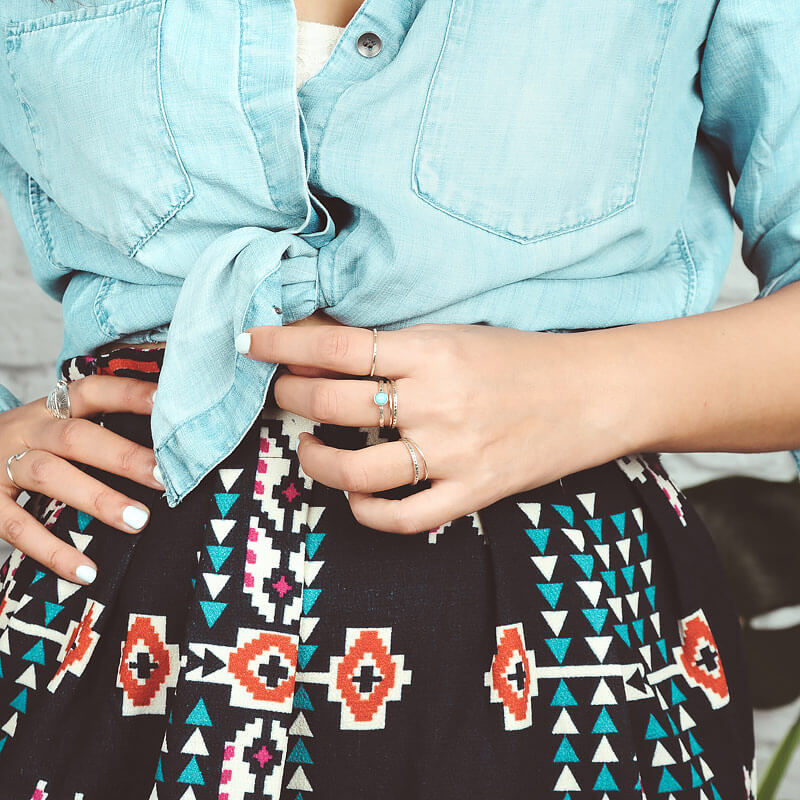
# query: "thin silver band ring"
15 457
374 351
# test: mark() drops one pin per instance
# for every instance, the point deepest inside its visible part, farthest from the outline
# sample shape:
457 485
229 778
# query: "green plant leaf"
779 763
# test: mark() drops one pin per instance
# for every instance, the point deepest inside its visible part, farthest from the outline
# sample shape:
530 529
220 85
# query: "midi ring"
58 401
374 351
15 457
414 450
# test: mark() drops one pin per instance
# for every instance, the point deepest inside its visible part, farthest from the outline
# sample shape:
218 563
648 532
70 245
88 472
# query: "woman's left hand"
494 410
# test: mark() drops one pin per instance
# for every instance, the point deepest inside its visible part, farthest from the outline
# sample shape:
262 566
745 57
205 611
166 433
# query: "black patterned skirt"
572 641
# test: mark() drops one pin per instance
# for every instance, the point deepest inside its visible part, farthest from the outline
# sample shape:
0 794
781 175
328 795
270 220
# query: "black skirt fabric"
573 641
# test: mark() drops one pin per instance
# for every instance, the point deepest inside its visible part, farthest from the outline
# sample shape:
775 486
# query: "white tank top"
315 41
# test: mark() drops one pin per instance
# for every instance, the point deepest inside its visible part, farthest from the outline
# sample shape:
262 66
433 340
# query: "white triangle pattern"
229 477
564 724
545 565
587 501
576 537
555 619
592 590
532 511
195 745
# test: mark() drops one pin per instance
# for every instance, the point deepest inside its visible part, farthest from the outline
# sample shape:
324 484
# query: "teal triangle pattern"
212 611
610 578
20 702
539 537
199 715
650 594
218 555
619 522
596 618
566 512
604 723
563 696
313 541
642 537
566 753
83 520
605 781
36 653
654 729
1 669
301 699
551 592
304 653
715 792
51 611
638 627
309 598
677 694
662 648
299 754
585 562
627 573
696 779
622 630
191 774
225 502
672 725
694 747
558 647
668 783
159 772
37 577
596 526
3 743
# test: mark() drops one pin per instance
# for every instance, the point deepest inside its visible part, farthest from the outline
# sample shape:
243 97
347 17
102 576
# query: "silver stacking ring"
393 403
15 457
58 401
374 351
413 451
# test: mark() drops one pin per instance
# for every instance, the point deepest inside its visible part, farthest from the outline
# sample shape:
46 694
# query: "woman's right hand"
45 469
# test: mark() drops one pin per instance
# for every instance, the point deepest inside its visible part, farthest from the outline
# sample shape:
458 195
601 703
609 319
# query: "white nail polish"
157 475
85 573
242 343
153 397
135 517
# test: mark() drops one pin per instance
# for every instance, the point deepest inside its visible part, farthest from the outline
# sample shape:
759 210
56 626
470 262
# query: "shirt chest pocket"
537 112
89 81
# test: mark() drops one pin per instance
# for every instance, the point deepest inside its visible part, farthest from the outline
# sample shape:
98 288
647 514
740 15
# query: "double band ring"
417 455
58 401
9 462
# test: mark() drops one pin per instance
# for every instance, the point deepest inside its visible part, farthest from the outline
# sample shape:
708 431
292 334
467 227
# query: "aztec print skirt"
572 641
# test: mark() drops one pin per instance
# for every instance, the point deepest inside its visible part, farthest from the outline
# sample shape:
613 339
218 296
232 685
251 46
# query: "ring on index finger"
9 461
58 401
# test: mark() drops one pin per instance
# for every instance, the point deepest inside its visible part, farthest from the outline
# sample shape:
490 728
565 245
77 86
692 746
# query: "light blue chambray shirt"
535 164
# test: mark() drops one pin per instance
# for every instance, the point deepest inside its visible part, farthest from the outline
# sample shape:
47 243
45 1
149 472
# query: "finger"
339 348
371 469
430 508
97 394
43 472
21 530
86 442
340 402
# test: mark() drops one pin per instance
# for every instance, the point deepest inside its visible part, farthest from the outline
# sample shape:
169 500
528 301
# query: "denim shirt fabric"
537 164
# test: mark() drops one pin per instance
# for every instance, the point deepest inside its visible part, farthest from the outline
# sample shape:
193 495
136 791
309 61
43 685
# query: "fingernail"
135 517
85 573
157 475
153 398
242 343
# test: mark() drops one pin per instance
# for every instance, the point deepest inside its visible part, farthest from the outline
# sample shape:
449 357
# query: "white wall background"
30 340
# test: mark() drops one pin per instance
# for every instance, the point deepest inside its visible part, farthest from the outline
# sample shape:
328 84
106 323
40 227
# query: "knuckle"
11 530
101 501
69 432
53 558
354 477
323 403
404 522
40 468
333 344
128 458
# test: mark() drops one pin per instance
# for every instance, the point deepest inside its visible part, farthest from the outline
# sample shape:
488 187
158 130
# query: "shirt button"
369 44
